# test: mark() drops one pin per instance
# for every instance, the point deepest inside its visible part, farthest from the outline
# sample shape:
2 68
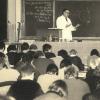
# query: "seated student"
77 88
76 60
6 75
27 71
24 49
32 50
93 79
92 60
57 90
13 56
41 62
64 54
47 49
45 80
25 90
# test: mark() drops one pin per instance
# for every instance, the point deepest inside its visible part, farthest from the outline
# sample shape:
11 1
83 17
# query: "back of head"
25 46
33 47
71 72
63 53
52 68
11 47
73 52
94 52
65 63
25 68
46 47
60 87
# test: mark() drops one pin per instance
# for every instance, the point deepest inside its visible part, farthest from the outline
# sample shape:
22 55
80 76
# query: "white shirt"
46 80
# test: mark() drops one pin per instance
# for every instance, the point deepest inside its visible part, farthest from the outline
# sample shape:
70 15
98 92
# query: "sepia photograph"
49 49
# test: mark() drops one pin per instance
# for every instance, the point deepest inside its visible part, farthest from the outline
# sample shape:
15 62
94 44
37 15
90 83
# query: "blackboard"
38 15
86 13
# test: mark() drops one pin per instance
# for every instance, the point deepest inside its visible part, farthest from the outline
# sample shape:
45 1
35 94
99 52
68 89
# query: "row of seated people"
33 74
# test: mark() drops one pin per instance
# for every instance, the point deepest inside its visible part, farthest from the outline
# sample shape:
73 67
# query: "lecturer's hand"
77 25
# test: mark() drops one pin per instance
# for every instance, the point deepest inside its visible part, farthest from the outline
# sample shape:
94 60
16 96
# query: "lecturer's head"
66 13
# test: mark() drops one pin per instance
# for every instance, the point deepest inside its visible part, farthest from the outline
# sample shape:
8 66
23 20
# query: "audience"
31 74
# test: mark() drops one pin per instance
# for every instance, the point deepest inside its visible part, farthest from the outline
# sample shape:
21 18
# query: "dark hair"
33 46
52 68
63 53
94 52
46 47
65 63
65 10
2 45
59 87
11 47
25 46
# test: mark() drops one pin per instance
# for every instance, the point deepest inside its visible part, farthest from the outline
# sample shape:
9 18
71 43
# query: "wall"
14 16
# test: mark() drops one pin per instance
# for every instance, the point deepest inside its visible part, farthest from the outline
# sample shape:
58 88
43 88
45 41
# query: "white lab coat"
61 23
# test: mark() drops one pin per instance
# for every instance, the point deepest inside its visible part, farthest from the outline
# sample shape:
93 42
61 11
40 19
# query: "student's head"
60 87
65 63
63 53
11 47
2 46
73 52
24 46
66 12
71 72
52 69
47 47
25 69
33 47
94 52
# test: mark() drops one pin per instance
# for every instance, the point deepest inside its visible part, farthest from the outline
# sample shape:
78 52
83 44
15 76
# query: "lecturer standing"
63 22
